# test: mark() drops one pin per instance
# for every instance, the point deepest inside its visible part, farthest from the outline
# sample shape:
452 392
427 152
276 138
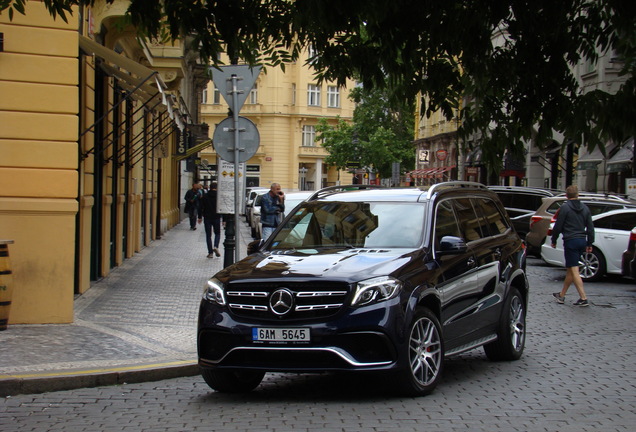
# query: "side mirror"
253 247
450 245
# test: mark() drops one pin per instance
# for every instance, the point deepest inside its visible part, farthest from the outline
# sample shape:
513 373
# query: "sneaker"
558 298
581 302
210 255
216 251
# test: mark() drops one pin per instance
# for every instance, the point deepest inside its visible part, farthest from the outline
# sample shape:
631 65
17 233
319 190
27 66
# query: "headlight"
376 290
214 292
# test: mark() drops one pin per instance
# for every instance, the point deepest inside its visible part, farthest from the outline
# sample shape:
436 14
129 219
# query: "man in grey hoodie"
574 221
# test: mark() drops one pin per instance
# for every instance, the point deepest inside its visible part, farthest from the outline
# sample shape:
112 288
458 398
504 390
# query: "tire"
592 265
232 381
511 334
425 354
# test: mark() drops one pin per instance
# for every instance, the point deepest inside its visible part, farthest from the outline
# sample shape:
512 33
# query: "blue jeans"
192 213
267 231
210 224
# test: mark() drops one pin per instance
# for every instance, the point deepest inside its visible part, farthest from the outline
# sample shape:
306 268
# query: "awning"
91 47
134 81
591 160
136 87
623 159
193 150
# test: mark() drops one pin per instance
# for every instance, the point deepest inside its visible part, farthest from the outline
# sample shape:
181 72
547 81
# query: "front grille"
305 300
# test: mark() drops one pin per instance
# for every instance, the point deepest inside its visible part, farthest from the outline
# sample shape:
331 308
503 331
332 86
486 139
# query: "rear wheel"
425 355
592 265
232 381
511 334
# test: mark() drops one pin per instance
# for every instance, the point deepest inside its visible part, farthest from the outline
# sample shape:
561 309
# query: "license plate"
261 334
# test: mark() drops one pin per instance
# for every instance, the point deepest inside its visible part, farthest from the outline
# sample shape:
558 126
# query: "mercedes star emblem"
281 302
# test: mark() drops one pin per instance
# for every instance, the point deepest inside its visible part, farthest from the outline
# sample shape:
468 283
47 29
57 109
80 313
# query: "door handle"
470 262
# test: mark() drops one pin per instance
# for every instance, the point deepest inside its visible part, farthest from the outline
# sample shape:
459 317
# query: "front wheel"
425 355
511 334
232 381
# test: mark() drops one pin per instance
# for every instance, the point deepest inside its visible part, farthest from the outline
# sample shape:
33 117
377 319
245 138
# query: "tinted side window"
469 223
554 207
495 222
445 222
623 222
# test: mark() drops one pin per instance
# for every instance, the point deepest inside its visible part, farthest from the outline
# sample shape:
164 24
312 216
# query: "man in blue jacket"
574 221
272 208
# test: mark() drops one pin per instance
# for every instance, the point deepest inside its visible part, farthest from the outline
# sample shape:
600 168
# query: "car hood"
349 265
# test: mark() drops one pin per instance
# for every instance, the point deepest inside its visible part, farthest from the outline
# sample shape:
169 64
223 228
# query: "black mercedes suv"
370 279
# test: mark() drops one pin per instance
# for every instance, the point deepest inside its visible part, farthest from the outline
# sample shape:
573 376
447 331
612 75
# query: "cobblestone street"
577 374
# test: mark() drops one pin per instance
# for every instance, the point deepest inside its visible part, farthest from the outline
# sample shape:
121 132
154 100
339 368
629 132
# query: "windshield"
352 224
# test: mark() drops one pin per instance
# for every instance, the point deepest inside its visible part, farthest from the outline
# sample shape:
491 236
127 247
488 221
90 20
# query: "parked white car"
612 230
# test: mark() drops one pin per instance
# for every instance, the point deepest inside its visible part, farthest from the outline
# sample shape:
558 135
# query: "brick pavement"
577 374
136 324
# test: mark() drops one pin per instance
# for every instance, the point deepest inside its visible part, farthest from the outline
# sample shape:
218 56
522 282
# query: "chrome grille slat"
248 307
246 294
321 293
318 307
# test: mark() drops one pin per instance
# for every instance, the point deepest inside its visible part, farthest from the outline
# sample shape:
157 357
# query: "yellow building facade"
285 107
437 149
90 118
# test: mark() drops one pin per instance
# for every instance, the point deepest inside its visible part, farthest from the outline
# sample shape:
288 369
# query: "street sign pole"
235 95
237 171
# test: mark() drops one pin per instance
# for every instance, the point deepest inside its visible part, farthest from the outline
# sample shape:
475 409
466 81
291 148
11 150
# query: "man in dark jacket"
192 204
272 208
574 221
211 221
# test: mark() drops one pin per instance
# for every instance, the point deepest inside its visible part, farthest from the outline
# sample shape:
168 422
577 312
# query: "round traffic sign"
223 139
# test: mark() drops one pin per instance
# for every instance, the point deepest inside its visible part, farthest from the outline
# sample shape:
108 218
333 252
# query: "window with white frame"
293 94
312 54
313 95
217 96
309 136
253 99
204 96
333 97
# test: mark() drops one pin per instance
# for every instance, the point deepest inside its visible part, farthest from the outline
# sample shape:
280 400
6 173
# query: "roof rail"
602 195
438 187
341 188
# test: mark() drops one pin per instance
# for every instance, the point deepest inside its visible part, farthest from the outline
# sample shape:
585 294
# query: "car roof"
610 199
527 189
359 193
613 212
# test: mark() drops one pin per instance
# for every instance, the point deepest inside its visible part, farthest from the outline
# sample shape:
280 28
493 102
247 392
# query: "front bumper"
359 339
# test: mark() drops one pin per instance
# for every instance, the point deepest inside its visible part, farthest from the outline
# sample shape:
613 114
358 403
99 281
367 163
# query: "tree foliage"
522 87
378 136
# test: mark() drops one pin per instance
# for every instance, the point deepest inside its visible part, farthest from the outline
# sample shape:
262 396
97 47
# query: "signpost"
237 82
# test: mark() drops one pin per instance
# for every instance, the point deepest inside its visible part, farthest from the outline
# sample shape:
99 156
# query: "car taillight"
632 236
534 220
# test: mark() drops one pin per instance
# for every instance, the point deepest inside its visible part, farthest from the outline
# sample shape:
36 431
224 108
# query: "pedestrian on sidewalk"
211 221
574 221
192 206
272 208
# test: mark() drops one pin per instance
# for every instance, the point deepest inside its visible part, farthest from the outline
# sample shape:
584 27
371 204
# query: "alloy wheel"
425 351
